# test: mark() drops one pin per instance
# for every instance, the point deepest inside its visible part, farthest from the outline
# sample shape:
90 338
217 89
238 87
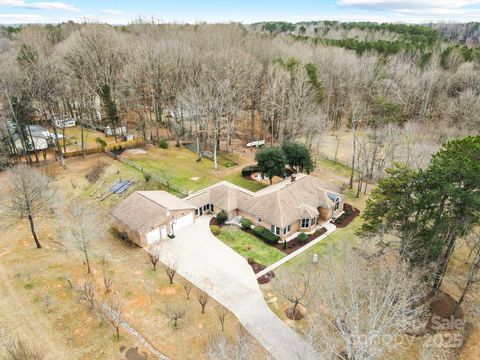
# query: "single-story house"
38 138
148 216
298 203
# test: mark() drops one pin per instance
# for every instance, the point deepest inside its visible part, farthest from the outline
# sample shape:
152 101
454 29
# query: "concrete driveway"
226 276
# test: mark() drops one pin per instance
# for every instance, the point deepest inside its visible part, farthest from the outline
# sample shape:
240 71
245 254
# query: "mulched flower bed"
295 244
214 221
259 267
347 217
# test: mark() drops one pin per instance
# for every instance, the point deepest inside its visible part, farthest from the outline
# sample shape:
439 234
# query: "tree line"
210 84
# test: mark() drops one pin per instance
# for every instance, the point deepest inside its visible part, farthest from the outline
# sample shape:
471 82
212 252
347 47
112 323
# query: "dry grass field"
37 303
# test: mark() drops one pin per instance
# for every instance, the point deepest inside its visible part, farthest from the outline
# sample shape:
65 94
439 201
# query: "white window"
313 222
275 230
305 223
337 204
286 229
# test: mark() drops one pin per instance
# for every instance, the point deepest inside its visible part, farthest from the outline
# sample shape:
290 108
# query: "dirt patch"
297 316
347 217
132 354
442 312
134 152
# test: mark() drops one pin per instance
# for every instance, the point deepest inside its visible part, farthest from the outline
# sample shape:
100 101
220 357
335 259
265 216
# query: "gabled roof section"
166 200
138 212
279 204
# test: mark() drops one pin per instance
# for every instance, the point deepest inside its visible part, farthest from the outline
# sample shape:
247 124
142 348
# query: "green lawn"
337 168
73 138
333 244
179 166
239 180
249 246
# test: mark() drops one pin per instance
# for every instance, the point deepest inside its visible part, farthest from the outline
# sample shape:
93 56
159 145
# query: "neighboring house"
119 131
38 138
295 204
63 123
148 216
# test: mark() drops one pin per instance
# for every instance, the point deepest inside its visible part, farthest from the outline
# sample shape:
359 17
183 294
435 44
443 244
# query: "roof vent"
293 177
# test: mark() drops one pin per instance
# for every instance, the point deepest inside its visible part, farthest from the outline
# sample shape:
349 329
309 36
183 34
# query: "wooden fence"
111 147
179 191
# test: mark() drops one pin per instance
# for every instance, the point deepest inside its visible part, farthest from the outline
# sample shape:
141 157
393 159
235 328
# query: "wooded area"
209 84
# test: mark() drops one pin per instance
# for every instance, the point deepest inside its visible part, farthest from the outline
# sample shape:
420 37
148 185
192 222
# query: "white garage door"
183 221
164 231
153 235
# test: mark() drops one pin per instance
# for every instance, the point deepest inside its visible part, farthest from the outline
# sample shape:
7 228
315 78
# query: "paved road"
226 276
330 228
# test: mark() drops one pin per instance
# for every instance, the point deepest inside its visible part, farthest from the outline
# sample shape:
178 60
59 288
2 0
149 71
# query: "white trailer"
257 143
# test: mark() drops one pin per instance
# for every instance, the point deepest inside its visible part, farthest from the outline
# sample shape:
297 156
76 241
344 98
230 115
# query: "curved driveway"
226 276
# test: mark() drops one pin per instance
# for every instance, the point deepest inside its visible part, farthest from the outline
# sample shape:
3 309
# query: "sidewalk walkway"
330 229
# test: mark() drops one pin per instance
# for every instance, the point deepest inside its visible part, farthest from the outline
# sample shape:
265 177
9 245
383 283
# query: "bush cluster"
249 170
266 235
222 217
245 223
302 237
215 229
162 144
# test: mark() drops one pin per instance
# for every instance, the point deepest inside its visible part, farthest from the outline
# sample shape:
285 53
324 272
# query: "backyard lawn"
249 246
179 166
74 139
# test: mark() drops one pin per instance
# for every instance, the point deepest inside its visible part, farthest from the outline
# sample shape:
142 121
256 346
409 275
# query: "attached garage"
148 216
183 221
153 235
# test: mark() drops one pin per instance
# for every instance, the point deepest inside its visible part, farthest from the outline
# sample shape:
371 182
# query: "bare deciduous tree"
202 298
85 228
153 252
295 287
113 312
187 286
472 278
175 312
26 195
107 276
239 348
362 305
88 293
171 268
221 313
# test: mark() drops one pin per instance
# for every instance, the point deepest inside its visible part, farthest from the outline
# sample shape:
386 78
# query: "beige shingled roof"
138 212
143 209
280 204
166 200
